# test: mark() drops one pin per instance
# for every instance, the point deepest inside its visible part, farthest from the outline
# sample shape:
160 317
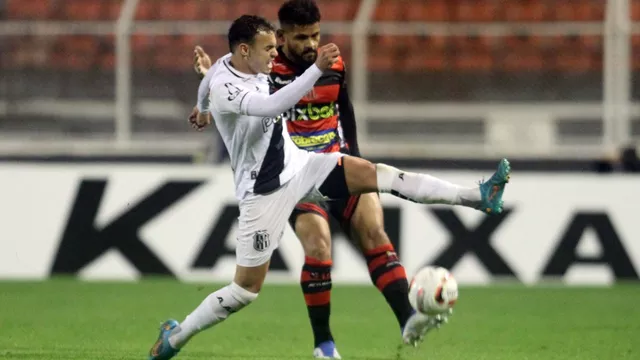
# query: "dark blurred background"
446 80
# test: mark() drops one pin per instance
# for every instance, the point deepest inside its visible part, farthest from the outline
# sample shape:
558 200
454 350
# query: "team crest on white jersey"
233 90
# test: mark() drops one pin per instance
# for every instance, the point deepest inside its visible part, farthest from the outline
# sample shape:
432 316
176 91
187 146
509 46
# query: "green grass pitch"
66 319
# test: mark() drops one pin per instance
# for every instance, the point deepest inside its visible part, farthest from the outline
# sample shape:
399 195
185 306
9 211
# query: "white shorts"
263 218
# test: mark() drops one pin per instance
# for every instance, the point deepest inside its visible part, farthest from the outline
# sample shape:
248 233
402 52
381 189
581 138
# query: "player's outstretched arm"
234 95
258 104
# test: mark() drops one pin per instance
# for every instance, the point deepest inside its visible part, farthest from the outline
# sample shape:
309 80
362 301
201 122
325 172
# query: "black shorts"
341 210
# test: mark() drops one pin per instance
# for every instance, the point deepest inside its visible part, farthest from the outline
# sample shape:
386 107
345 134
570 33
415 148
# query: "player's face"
302 42
262 52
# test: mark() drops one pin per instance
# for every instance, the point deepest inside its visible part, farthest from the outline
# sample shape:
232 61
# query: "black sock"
389 276
316 286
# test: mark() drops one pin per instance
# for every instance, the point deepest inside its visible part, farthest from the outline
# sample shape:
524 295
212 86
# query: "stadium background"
101 178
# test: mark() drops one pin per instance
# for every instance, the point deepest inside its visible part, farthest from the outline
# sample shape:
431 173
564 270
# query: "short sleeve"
229 97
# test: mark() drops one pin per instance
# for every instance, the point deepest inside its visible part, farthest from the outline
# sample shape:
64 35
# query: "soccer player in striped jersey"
324 121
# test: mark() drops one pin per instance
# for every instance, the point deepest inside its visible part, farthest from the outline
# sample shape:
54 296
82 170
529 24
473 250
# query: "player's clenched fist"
327 56
199 120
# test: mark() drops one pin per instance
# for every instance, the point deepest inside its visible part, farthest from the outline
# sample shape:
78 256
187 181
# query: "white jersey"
263 157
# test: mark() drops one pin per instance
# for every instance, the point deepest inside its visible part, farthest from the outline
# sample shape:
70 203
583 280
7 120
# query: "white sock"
424 189
214 309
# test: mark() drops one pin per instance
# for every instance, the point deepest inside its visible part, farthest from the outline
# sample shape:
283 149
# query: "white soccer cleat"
326 350
420 324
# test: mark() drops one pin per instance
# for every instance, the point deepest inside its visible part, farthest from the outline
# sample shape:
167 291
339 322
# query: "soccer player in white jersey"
272 174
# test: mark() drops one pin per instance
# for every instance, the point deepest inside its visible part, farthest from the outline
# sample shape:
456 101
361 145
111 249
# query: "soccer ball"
433 290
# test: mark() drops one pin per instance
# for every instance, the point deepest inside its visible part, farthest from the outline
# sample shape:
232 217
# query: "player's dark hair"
245 28
299 12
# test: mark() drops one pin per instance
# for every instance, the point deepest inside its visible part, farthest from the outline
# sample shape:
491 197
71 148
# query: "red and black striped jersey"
314 124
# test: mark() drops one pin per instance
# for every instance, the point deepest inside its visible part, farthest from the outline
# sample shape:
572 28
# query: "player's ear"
280 35
244 50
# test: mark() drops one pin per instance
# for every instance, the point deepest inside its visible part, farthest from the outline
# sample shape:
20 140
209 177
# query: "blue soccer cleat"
162 350
491 190
326 350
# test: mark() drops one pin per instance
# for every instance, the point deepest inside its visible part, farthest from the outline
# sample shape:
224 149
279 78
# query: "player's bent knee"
368 223
373 237
317 247
315 236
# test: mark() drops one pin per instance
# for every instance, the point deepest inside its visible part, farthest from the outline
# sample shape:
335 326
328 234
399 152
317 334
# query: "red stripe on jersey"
335 147
281 68
321 94
304 127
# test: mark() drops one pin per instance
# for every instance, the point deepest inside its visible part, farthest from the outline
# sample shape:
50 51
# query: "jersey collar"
238 74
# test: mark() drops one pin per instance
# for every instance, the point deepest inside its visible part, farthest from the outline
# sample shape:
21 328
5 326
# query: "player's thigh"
360 175
260 227
310 221
338 176
367 223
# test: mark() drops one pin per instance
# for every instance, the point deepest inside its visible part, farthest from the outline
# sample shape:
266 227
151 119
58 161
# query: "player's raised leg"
362 176
310 222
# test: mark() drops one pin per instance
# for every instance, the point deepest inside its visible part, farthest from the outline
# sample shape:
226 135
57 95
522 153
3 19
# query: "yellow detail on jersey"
314 140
